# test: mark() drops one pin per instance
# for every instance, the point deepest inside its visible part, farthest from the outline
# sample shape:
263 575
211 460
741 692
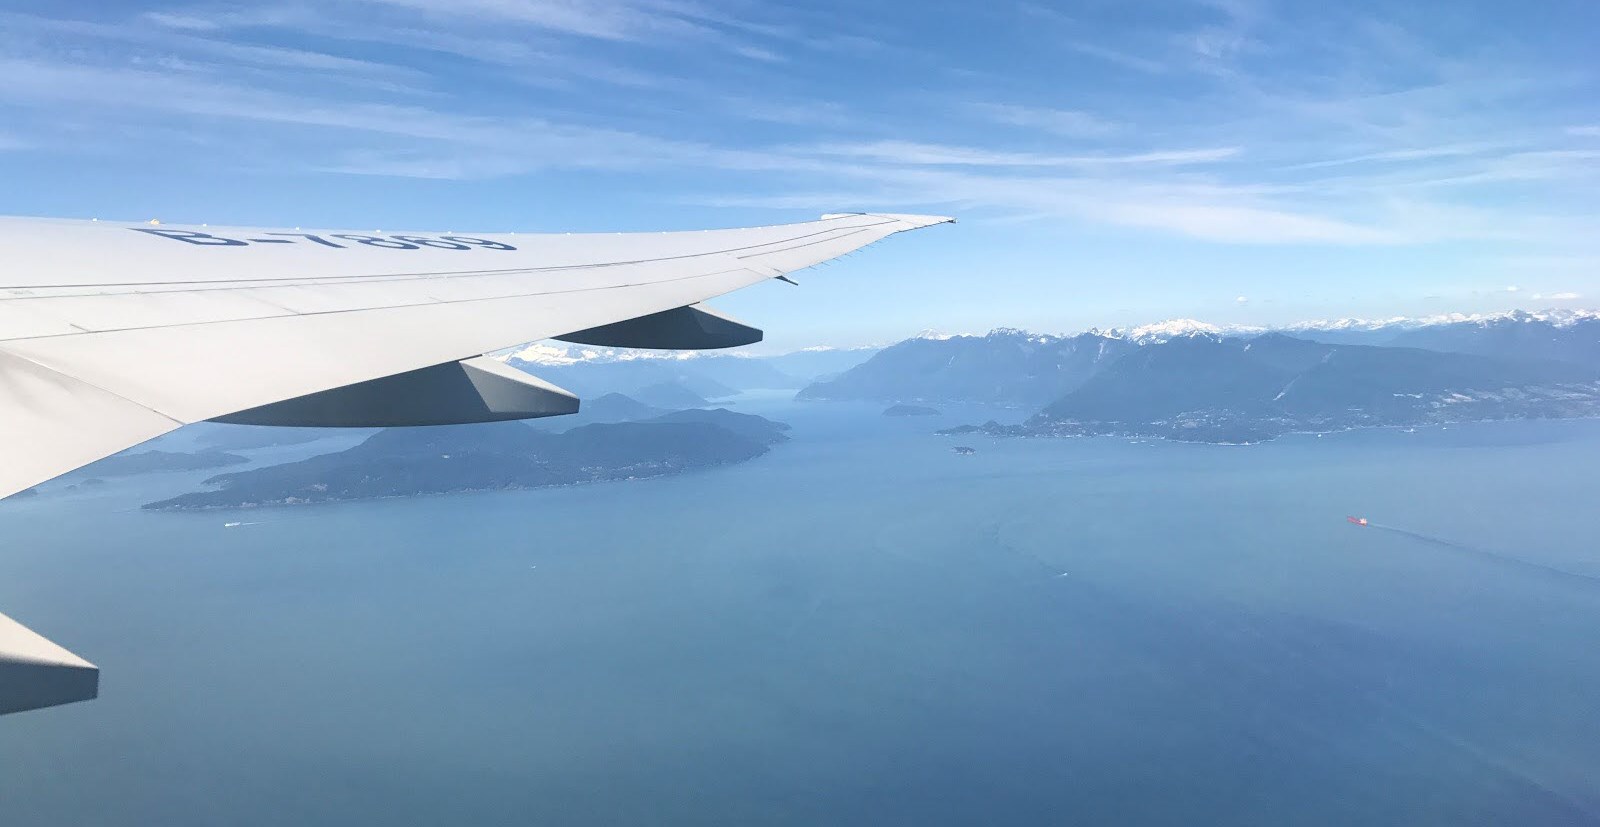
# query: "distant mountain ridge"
1574 340
1178 327
1275 383
1006 367
1555 317
1250 389
1022 369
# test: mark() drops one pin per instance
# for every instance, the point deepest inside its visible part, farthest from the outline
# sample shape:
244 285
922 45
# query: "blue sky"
1111 163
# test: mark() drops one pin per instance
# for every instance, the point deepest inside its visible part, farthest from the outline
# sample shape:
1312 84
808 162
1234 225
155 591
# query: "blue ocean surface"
861 627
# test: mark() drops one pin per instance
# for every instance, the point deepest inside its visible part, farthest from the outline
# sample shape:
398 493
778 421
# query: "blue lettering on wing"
192 237
398 242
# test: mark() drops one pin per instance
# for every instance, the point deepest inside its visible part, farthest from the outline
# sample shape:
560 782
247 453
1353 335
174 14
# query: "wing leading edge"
112 334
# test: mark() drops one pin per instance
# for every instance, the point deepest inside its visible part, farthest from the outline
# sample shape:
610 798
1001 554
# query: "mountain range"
1242 390
1188 380
1006 367
1013 367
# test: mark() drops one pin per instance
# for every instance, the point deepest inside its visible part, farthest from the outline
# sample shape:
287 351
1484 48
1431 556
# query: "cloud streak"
1252 128
920 154
1069 123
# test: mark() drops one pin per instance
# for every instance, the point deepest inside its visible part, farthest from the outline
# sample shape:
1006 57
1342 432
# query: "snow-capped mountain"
1020 367
1556 317
1183 328
1007 367
645 374
1170 329
560 353
552 352
1245 390
1017 367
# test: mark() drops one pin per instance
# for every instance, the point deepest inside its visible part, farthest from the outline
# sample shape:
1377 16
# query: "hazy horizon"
561 351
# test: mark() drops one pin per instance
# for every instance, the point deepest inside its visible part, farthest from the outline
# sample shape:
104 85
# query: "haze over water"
859 628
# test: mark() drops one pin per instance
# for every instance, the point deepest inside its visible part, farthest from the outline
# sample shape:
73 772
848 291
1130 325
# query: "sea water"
861 627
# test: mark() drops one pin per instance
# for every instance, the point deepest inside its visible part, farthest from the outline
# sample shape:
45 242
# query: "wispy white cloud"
1118 57
457 145
184 22
1400 155
439 144
790 112
181 47
759 53
630 20
216 17
1246 225
1071 123
921 154
1207 212
1234 143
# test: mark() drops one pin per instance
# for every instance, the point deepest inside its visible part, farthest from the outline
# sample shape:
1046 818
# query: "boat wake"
1441 542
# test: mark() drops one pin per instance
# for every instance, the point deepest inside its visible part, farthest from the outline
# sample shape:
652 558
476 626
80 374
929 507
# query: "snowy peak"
1556 317
1165 331
545 353
1172 329
558 353
552 352
1023 335
1341 325
1161 332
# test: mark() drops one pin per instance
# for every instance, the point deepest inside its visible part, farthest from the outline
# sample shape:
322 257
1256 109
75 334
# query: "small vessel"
964 450
1361 521
232 525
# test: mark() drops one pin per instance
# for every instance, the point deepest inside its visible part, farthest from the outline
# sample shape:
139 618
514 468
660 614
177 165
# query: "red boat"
1356 520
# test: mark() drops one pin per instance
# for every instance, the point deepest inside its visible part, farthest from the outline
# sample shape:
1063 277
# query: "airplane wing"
112 334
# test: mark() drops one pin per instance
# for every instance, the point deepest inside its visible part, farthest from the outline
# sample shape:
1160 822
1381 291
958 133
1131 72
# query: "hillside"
1235 390
400 462
1006 367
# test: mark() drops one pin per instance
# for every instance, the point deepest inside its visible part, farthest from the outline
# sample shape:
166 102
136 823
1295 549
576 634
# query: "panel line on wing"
224 284
366 308
807 244
241 285
86 383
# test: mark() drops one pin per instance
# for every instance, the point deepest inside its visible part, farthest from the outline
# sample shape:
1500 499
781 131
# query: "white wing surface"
111 334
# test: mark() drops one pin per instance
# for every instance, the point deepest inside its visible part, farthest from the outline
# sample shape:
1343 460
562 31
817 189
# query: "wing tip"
914 222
